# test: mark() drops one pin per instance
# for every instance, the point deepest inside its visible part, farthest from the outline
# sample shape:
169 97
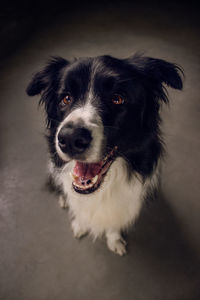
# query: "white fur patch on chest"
115 205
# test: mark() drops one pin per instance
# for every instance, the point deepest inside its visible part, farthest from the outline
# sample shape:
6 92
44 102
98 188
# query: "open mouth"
87 177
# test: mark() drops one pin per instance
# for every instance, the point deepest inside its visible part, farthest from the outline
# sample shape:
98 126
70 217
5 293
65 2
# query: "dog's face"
100 108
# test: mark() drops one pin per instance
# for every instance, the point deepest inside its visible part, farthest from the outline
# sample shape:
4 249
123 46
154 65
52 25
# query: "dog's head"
102 107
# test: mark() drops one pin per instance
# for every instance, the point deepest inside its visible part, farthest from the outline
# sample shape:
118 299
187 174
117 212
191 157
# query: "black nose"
74 140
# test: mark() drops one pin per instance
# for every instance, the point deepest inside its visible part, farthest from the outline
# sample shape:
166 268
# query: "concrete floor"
39 258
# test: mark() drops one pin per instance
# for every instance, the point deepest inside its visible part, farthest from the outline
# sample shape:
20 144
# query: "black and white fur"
99 125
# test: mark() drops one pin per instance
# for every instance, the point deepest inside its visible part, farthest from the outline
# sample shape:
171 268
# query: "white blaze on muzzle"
86 117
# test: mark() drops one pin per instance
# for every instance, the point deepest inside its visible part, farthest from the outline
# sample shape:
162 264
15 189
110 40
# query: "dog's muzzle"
84 145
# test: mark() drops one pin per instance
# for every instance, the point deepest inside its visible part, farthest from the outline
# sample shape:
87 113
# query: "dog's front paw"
77 230
117 246
116 243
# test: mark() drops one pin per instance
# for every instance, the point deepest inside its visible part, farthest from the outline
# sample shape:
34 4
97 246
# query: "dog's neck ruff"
87 177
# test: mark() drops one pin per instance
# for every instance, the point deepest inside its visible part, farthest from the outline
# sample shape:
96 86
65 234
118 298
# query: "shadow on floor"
161 244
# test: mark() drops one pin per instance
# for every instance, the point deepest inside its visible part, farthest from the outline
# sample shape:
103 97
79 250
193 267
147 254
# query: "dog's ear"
165 72
46 77
46 82
158 72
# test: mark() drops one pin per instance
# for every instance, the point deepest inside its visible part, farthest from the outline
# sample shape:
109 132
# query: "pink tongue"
87 171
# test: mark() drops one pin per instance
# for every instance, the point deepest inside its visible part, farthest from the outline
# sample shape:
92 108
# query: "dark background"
39 258
22 19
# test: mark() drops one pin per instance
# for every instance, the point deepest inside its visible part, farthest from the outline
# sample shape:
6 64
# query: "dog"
104 137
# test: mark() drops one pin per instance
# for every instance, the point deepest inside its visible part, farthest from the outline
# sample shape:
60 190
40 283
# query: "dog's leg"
63 201
115 242
77 229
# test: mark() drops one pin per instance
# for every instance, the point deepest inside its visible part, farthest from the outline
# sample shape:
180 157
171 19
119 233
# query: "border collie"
104 137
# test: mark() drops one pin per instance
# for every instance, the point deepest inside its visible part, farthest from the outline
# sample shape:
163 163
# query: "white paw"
117 246
62 202
77 230
116 243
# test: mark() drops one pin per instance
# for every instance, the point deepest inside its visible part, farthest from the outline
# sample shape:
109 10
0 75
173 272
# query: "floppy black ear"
159 71
46 77
165 72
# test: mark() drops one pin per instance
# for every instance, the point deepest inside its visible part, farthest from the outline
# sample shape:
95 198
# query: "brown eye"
117 99
66 100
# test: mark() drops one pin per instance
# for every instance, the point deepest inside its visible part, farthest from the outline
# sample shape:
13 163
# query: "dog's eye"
66 100
117 99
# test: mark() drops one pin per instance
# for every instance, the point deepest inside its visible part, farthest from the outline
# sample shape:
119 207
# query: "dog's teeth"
94 179
77 185
84 187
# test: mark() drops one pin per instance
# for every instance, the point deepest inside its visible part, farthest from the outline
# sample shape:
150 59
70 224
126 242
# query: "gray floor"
39 258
